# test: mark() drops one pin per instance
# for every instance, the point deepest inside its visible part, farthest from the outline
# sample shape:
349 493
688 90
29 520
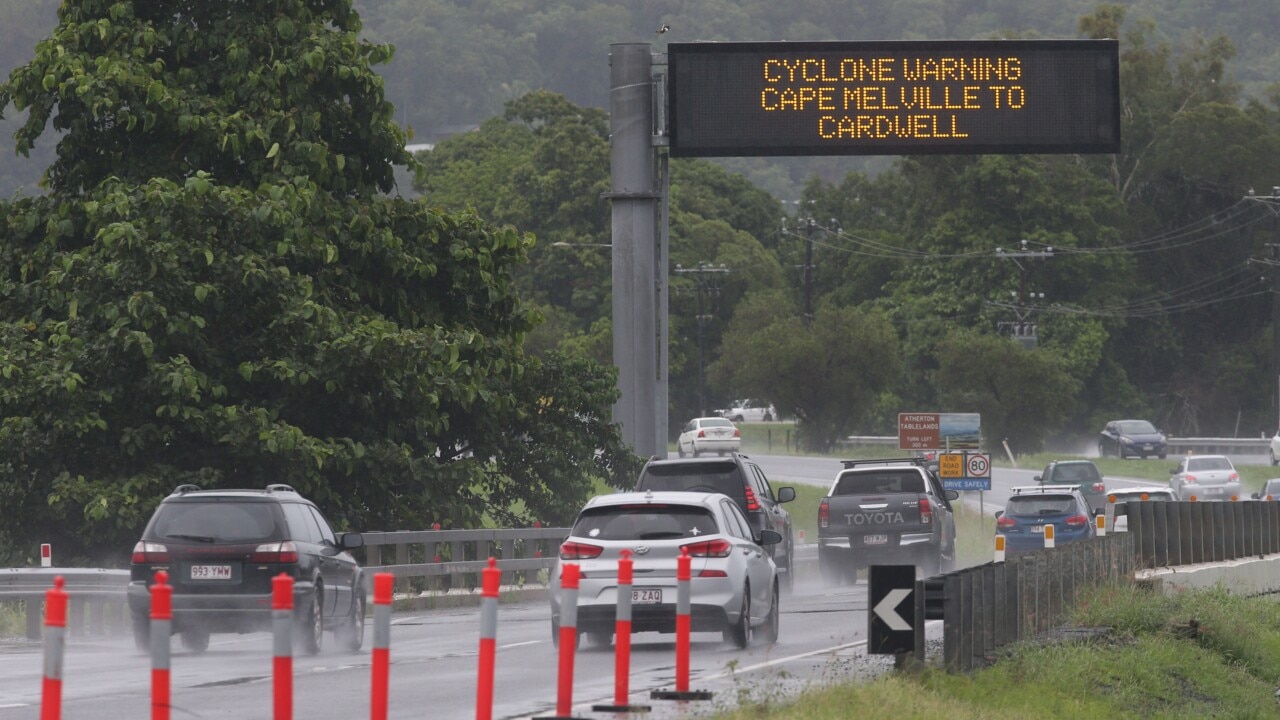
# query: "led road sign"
894 98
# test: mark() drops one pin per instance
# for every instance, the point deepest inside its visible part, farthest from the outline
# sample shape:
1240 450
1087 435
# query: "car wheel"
829 569
737 418
600 639
680 450
195 640
768 417
789 577
770 628
930 565
309 626
350 635
739 633
695 451
1102 449
141 631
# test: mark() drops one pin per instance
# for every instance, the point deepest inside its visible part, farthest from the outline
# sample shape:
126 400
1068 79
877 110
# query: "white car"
708 435
1270 491
1274 450
749 411
1205 477
734 586
1146 493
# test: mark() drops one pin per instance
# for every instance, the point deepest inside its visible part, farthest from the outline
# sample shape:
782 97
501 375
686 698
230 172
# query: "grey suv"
221 550
738 477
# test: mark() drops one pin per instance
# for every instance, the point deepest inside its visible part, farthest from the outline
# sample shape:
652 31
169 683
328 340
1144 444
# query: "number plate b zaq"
1037 529
646 596
210 572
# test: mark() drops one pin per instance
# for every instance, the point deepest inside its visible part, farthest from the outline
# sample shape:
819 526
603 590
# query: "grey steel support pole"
637 279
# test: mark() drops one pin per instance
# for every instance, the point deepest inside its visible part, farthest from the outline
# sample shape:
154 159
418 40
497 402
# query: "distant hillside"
458 61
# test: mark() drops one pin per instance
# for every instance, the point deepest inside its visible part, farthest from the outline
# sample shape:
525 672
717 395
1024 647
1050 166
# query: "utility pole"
700 278
808 271
1023 331
1273 202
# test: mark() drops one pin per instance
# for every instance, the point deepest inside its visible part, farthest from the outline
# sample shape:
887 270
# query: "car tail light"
1234 477
276 552
1191 478
1077 521
926 512
824 513
146 552
702 433
713 573
752 502
1005 522
708 548
737 432
1099 487
579 551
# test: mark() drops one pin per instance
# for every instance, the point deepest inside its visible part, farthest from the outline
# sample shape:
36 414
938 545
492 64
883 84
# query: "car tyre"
769 631
141 631
829 569
680 450
310 625
350 635
600 639
768 417
695 451
739 633
555 636
930 565
197 641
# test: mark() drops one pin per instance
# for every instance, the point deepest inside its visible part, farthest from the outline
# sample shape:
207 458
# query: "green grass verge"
13 619
1154 662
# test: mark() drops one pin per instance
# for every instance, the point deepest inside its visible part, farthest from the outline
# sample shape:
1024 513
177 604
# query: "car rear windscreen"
1041 505
1075 474
721 477
881 482
644 522
1137 497
220 521
1208 463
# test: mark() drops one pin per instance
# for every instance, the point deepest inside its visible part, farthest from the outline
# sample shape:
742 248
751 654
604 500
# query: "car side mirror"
1173 471
769 537
786 494
952 494
999 513
351 541
1038 478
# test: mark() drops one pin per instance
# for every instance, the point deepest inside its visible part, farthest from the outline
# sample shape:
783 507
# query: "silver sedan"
734 585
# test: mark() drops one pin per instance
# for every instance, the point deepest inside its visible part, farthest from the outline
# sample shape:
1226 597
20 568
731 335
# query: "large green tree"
215 290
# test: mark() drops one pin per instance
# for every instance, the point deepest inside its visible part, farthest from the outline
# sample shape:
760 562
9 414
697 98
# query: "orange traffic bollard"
488 639
55 645
161 628
382 585
282 645
622 644
684 627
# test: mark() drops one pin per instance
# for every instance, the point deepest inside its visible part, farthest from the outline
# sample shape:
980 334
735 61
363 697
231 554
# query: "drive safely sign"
965 471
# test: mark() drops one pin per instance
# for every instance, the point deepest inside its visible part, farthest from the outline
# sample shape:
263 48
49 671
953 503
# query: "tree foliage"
215 291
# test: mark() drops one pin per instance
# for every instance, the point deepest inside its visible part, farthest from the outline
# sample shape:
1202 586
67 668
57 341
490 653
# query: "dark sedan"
1132 438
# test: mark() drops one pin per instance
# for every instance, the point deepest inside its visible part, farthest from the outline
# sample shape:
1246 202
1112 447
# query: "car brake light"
276 552
1005 522
752 503
708 548
579 551
824 513
1077 521
1191 478
1234 477
1099 487
702 433
713 573
926 512
737 432
146 552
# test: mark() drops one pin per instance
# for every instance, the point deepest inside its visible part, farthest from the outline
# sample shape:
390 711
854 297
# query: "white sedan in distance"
708 435
1120 496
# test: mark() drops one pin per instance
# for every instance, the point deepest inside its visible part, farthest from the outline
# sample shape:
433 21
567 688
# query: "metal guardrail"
988 606
1177 445
97 597
454 558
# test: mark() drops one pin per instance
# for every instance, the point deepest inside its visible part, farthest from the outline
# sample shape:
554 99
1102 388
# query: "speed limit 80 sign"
977 465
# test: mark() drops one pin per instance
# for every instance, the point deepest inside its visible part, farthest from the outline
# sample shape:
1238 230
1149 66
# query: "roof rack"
183 489
1044 488
885 461
281 487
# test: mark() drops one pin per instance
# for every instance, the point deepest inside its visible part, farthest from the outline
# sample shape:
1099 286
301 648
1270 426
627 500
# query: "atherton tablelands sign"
894 98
